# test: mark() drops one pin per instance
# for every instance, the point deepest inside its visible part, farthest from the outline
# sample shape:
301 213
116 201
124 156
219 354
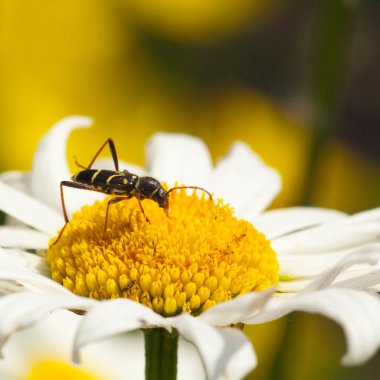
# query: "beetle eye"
162 199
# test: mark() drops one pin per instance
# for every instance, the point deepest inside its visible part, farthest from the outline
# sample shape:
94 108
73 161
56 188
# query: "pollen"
198 255
59 371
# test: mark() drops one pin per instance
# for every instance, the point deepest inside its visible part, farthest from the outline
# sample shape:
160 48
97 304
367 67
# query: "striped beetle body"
122 184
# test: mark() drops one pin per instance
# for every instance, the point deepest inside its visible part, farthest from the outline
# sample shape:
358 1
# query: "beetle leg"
111 145
141 208
74 185
110 202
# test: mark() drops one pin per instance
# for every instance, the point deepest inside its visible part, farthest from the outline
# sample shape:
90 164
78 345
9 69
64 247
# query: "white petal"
113 317
17 179
25 260
372 216
310 265
35 344
29 210
20 181
226 352
241 358
298 271
368 280
116 358
7 287
21 237
242 179
280 222
361 279
350 232
49 166
368 255
292 286
296 266
189 364
117 316
178 158
21 310
12 270
234 311
356 311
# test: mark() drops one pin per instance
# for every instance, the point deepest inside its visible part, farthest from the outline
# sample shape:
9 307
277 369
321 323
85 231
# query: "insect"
122 184
129 286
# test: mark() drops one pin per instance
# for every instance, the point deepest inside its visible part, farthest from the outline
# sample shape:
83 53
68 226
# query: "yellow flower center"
58 371
198 256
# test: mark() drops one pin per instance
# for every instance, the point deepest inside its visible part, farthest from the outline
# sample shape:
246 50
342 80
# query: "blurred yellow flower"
345 176
80 60
199 20
243 114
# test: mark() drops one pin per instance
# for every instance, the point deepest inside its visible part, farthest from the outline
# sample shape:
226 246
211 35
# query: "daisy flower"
43 351
189 276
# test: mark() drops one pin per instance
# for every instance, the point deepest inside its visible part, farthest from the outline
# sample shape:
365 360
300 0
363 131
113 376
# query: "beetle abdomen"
108 180
93 177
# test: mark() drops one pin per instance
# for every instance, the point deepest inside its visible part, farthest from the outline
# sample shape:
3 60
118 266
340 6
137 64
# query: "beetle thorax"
151 188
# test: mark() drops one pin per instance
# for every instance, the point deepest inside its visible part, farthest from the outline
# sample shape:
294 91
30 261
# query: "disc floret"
197 257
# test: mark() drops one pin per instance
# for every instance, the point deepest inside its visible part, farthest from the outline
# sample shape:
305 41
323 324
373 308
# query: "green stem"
281 357
330 41
160 354
2 218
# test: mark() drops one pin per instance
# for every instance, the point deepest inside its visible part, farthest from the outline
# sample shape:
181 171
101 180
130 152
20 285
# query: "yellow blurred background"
219 70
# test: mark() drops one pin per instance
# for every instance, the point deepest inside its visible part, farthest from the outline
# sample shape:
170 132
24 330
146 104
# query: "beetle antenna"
190 187
78 164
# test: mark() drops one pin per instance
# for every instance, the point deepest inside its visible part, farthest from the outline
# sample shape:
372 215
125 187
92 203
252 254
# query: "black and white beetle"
122 184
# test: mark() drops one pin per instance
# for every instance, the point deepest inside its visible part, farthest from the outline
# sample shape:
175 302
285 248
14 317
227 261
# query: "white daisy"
328 261
43 351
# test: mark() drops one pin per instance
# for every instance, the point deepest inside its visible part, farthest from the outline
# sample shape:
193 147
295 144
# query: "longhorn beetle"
122 184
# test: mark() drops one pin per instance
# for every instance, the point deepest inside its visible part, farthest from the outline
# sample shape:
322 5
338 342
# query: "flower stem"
160 354
330 43
2 218
280 362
